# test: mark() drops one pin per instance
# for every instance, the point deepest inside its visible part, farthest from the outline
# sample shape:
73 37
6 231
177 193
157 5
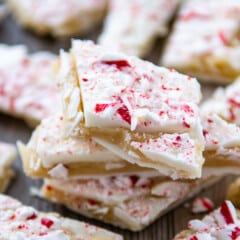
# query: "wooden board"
12 130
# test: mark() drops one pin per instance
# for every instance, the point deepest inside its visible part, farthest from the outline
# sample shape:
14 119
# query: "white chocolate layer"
225 103
66 19
113 92
35 94
52 147
50 154
132 26
219 134
220 120
205 40
122 91
223 223
26 223
130 202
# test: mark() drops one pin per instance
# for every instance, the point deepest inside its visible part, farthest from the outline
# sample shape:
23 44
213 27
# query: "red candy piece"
226 212
207 204
124 113
120 64
235 233
234 102
205 132
31 217
47 222
185 124
92 202
187 109
194 238
100 107
134 179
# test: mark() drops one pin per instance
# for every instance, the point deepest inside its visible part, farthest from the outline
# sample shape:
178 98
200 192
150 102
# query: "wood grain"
12 129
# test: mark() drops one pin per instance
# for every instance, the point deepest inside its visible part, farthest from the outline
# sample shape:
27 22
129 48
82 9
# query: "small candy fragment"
202 204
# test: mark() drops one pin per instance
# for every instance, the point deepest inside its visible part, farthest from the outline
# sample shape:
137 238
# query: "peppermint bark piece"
221 121
225 102
50 154
223 223
69 18
131 202
205 40
222 145
25 222
132 26
146 114
35 94
7 156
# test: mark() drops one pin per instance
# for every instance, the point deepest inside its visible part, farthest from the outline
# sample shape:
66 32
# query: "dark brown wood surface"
12 129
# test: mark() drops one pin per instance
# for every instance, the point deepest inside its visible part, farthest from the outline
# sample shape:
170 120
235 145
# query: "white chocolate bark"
50 154
223 223
220 134
222 146
220 120
135 94
130 202
35 94
205 40
112 93
26 223
68 18
132 25
225 103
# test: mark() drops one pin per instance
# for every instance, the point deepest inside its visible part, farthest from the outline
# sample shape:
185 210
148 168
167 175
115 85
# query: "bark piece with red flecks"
222 223
133 26
69 18
27 84
205 40
145 114
25 222
131 202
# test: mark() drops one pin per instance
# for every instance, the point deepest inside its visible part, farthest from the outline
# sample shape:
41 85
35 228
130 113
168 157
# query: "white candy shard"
202 204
